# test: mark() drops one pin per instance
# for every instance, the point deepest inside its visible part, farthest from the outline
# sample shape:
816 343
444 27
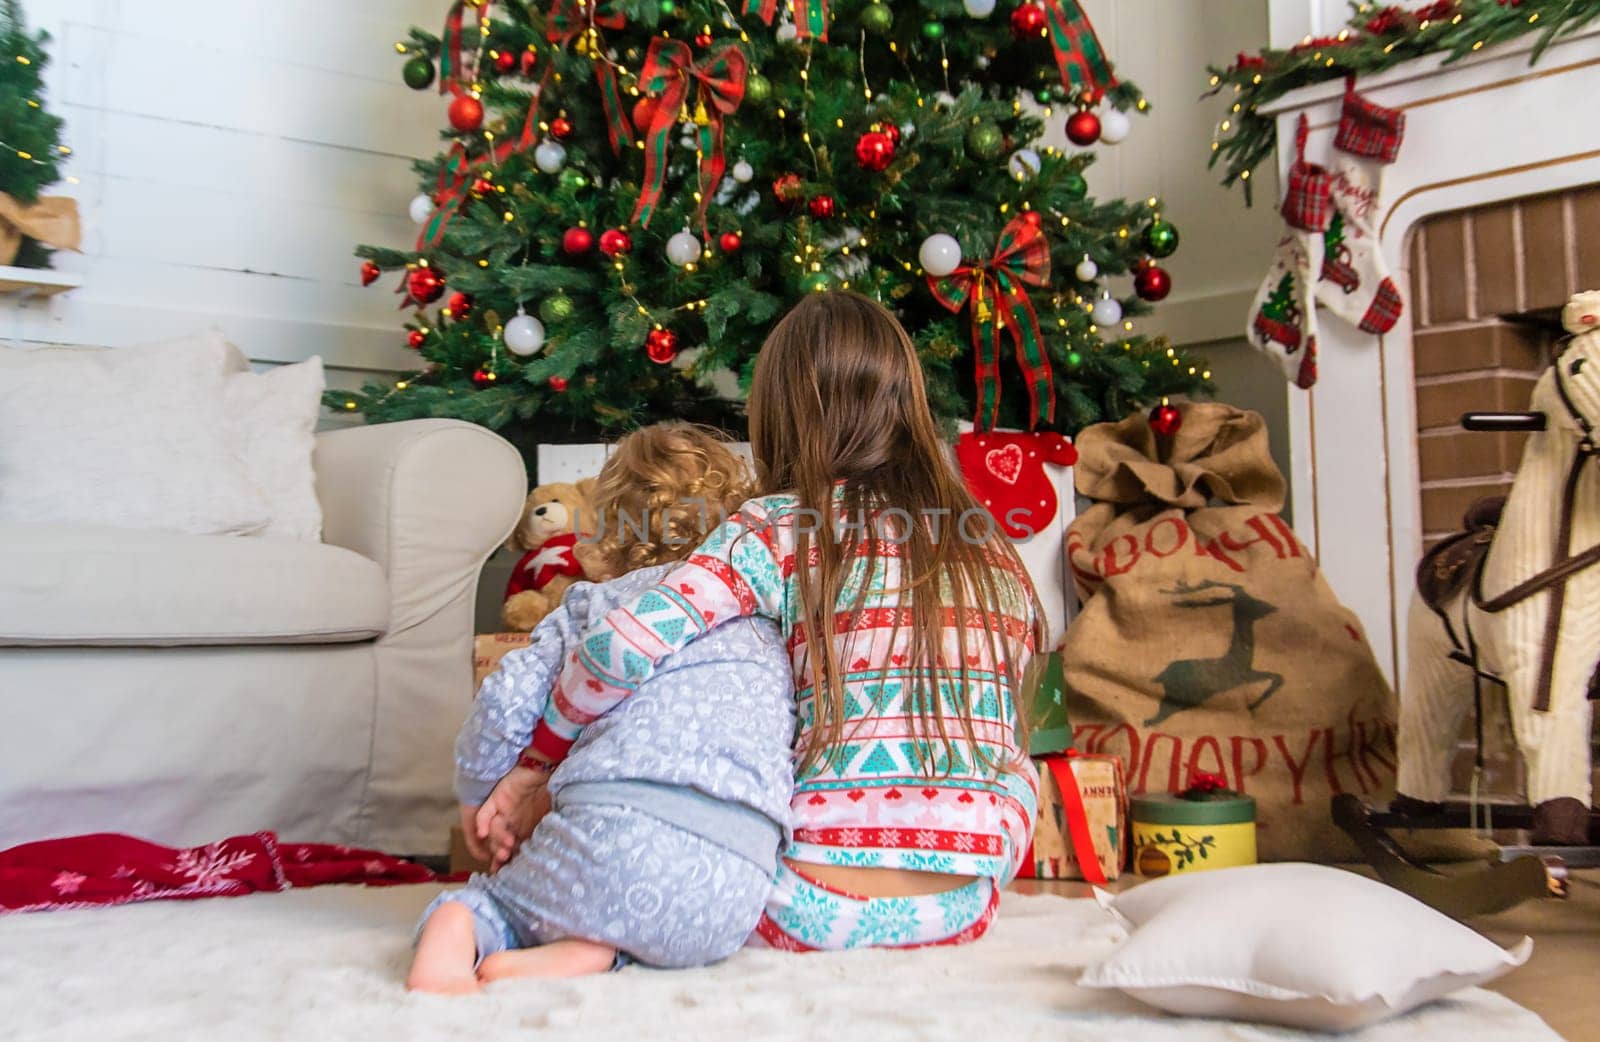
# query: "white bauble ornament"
1114 126
1107 312
550 156
421 209
524 334
944 99
1024 163
1086 270
743 172
979 8
683 248
786 32
940 254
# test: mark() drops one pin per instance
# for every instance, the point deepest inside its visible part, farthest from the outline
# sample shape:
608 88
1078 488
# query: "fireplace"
1489 217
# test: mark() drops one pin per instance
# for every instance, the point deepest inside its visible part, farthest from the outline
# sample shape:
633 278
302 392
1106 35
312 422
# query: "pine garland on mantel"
1376 38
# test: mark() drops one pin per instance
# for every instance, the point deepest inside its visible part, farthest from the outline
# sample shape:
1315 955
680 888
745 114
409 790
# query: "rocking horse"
1513 601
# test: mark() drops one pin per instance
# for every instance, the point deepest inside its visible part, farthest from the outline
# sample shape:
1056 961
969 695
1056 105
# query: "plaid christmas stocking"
1355 282
1283 320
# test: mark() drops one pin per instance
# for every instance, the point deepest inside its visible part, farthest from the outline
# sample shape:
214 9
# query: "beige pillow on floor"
1302 945
132 438
272 419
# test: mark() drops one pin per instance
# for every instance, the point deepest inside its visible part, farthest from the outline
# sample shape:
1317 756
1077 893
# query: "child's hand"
511 812
477 842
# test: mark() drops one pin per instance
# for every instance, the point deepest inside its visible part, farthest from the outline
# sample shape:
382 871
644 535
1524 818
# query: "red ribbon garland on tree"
1079 55
996 291
572 18
669 71
810 16
458 169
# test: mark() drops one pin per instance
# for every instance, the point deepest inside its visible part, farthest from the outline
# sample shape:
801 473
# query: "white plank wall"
229 158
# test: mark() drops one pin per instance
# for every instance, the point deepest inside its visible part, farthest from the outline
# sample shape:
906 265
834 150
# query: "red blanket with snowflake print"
110 869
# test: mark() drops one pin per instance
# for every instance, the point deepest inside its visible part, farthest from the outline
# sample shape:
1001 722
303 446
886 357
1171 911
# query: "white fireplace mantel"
1487 128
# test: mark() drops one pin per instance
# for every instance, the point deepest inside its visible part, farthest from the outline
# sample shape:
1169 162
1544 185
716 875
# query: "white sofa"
184 688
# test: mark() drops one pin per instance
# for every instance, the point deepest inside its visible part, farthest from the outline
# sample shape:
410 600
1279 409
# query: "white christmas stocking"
1283 321
1355 282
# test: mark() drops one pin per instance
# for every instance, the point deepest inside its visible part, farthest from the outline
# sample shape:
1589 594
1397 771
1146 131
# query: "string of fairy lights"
23 154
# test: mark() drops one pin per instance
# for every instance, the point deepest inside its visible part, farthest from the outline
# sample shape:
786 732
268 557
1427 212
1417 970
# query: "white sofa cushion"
80 585
132 437
272 419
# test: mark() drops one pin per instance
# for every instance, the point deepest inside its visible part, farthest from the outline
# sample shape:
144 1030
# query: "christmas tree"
30 137
633 191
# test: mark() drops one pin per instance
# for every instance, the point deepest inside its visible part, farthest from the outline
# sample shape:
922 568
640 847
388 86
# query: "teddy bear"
552 519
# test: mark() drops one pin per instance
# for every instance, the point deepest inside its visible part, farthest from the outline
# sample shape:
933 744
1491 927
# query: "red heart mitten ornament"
1005 471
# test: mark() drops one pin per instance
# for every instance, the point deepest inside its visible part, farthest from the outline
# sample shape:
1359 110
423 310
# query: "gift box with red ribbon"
1083 820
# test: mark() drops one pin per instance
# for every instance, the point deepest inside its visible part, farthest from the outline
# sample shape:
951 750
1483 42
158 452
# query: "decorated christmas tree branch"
1376 38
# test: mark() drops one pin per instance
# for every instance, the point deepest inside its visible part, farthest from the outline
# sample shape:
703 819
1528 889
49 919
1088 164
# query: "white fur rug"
327 964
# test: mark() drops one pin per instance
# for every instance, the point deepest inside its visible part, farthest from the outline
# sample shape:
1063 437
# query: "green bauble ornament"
757 89
1161 238
668 8
573 180
418 73
1075 186
816 282
1074 359
556 309
984 140
933 30
877 18
1044 95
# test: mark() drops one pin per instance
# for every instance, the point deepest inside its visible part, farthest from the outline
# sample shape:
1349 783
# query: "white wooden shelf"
36 282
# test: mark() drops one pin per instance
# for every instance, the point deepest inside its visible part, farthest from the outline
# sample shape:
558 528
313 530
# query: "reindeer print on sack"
1190 682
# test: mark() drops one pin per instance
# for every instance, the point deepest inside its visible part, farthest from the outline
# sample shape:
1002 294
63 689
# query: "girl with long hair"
909 622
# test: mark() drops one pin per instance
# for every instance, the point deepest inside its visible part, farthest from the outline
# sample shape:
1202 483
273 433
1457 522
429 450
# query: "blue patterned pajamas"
803 915
661 895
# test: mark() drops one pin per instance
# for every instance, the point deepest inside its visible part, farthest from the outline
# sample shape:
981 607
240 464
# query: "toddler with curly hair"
669 813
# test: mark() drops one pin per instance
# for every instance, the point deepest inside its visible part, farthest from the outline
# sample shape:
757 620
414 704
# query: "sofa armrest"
428 500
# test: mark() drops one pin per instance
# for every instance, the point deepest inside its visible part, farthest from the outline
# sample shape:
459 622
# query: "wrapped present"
1206 826
489 648
1082 819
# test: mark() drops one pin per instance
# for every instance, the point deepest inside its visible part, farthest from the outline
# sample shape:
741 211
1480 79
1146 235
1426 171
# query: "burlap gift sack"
1209 640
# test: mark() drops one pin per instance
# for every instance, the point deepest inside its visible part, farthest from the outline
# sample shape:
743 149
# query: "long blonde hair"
837 397
663 489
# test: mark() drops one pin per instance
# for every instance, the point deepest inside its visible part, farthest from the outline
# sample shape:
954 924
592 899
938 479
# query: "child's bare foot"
445 953
561 959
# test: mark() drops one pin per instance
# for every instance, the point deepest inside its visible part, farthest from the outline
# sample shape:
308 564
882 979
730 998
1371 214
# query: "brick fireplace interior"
1487 286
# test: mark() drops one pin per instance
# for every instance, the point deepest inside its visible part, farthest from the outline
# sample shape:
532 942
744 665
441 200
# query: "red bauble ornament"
560 128
1165 419
466 113
661 346
530 61
1083 127
558 384
416 338
788 189
730 242
459 305
1027 21
482 377
482 186
370 273
424 285
644 113
615 241
505 61
702 39
890 131
576 241
1151 282
821 206
874 150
